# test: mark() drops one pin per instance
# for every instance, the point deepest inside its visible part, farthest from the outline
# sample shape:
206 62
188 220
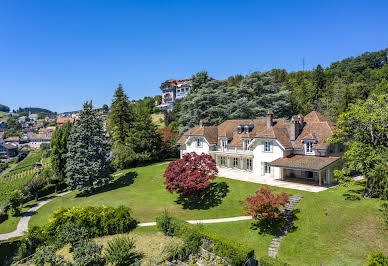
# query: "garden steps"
288 215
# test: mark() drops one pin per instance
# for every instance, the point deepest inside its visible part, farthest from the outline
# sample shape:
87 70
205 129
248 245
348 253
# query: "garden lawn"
333 227
143 190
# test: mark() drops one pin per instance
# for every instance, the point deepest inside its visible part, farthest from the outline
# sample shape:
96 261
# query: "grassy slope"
148 198
156 119
331 229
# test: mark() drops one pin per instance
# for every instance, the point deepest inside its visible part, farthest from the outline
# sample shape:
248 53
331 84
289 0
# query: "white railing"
235 150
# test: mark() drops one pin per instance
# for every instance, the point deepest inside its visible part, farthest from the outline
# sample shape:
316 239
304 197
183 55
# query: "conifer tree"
58 152
86 164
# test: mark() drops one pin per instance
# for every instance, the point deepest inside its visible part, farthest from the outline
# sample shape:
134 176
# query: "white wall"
263 156
191 146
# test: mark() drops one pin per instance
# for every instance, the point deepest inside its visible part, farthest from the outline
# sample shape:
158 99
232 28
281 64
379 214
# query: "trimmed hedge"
269 261
99 221
233 252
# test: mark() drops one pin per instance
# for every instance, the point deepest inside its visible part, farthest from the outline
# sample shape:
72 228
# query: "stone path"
6 171
23 223
266 180
208 221
288 215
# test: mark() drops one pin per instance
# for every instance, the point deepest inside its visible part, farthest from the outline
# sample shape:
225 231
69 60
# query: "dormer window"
309 146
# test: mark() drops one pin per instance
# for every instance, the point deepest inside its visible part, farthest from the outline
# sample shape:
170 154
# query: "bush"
14 199
166 225
233 252
384 210
46 255
120 251
3 215
377 259
88 254
269 261
98 221
71 234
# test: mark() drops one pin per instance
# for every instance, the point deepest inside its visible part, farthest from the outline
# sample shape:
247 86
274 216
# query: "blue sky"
58 54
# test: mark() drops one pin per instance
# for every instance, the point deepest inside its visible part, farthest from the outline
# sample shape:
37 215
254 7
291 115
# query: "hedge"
269 261
233 252
98 221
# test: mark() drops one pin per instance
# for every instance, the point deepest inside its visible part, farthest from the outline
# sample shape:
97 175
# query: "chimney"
269 118
294 128
301 121
203 123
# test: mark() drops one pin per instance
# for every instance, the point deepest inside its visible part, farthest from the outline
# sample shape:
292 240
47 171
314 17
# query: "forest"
328 90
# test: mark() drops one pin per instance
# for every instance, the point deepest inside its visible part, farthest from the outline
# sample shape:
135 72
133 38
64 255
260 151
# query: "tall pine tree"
86 164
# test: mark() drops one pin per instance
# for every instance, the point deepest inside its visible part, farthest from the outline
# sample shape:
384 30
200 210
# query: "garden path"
23 223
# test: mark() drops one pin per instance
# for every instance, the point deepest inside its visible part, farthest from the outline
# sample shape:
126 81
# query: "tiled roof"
210 134
12 139
9 146
313 163
63 119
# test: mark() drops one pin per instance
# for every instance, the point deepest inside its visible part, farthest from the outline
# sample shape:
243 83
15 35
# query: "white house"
273 148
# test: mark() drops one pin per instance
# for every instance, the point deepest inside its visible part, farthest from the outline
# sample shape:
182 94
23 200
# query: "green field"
333 227
27 163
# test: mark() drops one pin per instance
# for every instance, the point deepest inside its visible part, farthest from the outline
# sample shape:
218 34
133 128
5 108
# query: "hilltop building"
269 147
174 90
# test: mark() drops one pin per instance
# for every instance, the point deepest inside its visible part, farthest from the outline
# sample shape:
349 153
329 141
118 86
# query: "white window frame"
309 147
267 148
246 144
267 169
198 143
235 162
224 143
223 161
249 164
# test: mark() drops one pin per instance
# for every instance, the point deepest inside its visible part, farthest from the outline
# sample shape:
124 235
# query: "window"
249 164
235 162
267 146
309 147
223 161
267 169
199 143
245 144
224 142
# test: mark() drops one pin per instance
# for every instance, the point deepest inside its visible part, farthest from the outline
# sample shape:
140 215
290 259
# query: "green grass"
333 227
11 185
148 197
27 163
156 119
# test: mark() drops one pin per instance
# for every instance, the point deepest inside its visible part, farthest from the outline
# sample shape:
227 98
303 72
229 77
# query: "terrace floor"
298 184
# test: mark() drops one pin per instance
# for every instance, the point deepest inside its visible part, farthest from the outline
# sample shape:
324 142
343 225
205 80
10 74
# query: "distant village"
35 130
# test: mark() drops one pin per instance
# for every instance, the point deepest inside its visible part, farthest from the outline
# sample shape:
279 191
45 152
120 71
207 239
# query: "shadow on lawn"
123 181
211 197
353 194
277 226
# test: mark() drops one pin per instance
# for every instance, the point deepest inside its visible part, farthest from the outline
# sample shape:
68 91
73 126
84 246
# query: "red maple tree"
265 204
191 175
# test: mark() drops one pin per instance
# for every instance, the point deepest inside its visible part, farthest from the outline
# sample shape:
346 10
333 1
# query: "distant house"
270 148
22 119
173 90
8 151
33 117
63 119
46 130
14 140
35 140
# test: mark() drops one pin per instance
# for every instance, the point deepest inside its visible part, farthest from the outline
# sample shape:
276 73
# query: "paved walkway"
208 221
23 223
266 180
6 171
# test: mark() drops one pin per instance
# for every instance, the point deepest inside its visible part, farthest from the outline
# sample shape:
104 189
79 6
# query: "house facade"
172 91
273 148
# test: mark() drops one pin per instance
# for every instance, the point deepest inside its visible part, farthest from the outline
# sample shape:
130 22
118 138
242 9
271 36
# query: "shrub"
166 225
71 234
264 203
384 210
269 261
46 255
191 175
3 215
377 259
14 199
98 221
88 254
120 251
233 252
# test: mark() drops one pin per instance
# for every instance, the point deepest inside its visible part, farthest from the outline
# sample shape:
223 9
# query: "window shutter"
271 146
263 146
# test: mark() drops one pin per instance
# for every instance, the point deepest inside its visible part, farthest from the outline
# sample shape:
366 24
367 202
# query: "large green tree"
86 164
120 117
364 130
58 152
